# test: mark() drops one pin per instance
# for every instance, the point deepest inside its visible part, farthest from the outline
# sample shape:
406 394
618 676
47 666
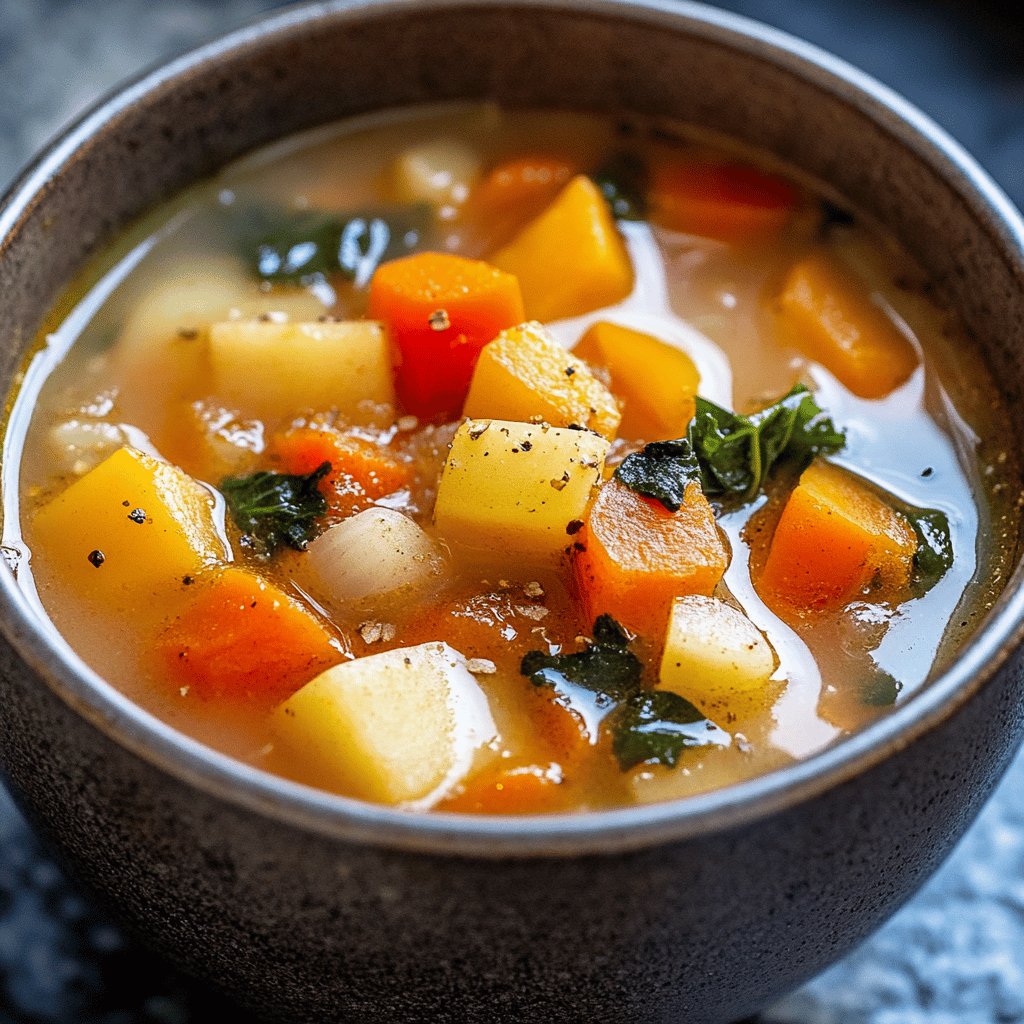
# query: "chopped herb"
290 247
880 689
934 554
277 508
661 470
657 726
622 180
607 665
729 453
737 452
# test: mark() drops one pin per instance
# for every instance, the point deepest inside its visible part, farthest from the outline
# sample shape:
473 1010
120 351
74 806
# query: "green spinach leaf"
622 181
934 554
277 508
292 248
661 470
657 726
607 665
880 689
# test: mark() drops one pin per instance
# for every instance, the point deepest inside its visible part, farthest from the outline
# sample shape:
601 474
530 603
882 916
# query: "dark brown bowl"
308 906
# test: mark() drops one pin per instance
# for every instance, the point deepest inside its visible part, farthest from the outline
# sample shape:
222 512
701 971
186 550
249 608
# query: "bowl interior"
684 63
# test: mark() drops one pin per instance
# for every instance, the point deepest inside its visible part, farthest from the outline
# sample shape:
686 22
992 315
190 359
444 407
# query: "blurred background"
955 954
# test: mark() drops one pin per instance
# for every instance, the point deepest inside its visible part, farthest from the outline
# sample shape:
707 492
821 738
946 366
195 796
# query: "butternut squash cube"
513 489
401 727
828 314
715 657
571 258
658 382
524 374
278 369
127 531
634 556
835 538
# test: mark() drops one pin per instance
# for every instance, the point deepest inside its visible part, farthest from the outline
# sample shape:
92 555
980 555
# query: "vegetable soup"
509 463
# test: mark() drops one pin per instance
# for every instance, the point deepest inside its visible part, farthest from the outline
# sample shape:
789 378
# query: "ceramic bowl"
307 906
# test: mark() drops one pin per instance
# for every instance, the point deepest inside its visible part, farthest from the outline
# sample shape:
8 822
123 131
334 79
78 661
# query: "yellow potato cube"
570 259
715 657
512 488
658 382
127 531
439 172
525 374
402 727
278 369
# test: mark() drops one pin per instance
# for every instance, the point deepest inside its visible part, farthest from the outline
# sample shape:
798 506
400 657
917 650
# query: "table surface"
955 954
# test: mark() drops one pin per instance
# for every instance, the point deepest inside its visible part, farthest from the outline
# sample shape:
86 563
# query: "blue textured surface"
955 954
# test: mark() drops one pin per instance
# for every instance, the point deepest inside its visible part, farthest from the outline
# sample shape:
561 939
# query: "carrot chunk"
361 471
523 185
633 556
834 539
441 310
528 789
828 314
240 637
731 202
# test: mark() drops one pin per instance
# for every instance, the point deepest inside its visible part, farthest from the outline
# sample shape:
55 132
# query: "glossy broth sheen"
123 356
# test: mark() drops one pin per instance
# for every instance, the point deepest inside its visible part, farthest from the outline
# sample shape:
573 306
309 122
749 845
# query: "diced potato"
829 315
378 560
835 538
400 727
658 382
633 556
715 657
280 369
571 259
127 531
78 445
513 488
440 172
525 374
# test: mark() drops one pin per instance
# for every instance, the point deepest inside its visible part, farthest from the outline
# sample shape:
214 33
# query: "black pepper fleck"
97 558
526 445
573 526
187 580
137 515
927 471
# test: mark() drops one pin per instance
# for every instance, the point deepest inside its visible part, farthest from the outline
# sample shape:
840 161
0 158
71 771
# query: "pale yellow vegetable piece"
715 656
524 374
376 560
441 172
278 369
657 382
512 488
127 532
401 727
570 259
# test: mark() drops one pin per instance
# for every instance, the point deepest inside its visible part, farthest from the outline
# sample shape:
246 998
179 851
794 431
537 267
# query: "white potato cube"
401 727
715 657
440 172
513 488
282 368
376 560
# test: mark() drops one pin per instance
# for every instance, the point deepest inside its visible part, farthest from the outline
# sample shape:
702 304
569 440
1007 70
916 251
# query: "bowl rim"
566 834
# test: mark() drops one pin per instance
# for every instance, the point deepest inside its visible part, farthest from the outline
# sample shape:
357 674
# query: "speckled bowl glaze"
310 907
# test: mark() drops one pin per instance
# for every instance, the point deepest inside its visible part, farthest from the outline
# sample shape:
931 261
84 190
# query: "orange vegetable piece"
528 789
361 471
731 202
828 314
634 556
834 539
657 381
441 310
240 637
523 185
